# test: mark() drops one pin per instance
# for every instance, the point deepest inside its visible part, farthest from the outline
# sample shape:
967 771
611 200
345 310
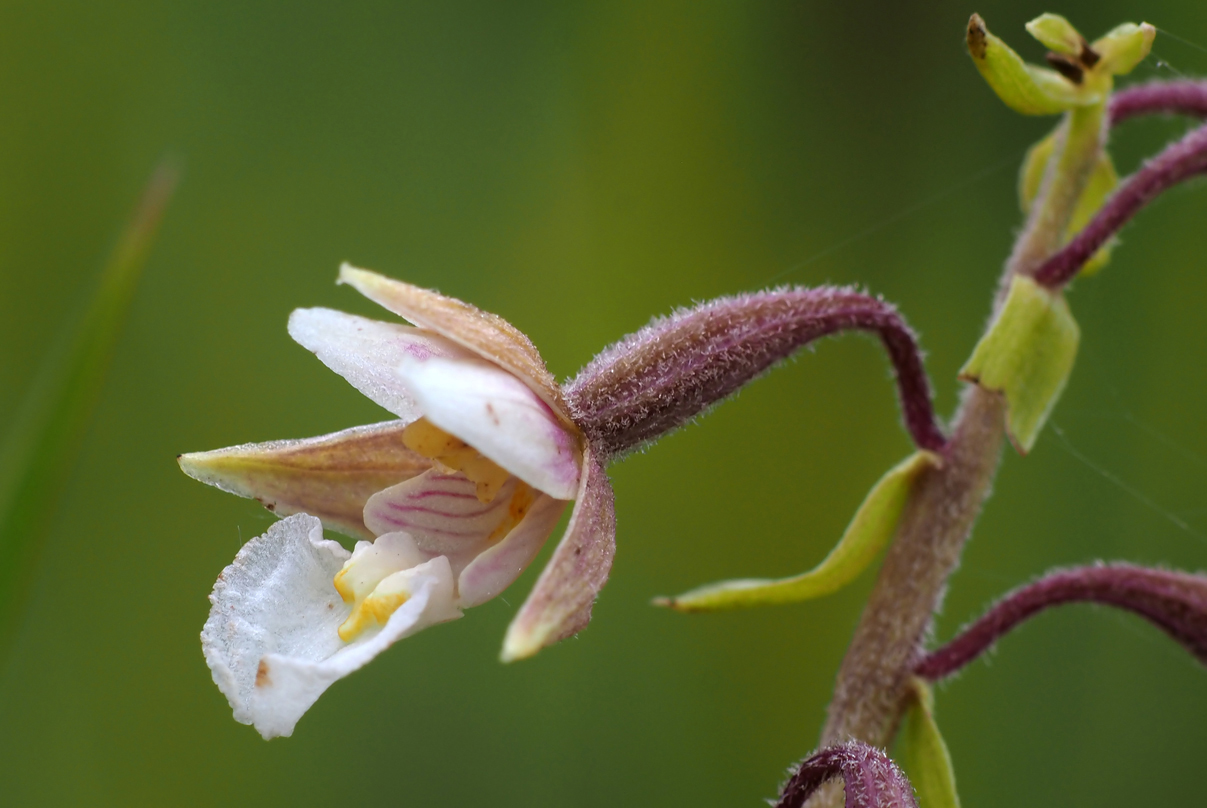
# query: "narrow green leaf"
869 531
924 755
43 439
1027 354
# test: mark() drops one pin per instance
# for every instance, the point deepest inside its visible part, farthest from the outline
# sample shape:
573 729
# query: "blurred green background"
577 168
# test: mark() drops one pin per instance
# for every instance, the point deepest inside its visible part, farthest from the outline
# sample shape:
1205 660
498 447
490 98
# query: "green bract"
867 534
1027 354
924 754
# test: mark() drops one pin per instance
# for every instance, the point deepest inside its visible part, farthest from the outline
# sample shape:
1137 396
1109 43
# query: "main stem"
870 693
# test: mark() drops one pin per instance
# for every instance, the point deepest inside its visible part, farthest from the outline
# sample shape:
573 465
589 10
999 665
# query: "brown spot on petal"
490 410
262 679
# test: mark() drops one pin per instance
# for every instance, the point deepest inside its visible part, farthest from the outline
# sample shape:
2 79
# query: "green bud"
1027 354
1057 33
1025 88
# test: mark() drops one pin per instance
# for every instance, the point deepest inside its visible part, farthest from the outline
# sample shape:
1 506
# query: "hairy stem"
874 677
1175 602
1178 162
1080 143
872 686
868 777
1160 98
675 368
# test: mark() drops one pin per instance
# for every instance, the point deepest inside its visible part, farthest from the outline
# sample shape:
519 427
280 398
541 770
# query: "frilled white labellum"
272 640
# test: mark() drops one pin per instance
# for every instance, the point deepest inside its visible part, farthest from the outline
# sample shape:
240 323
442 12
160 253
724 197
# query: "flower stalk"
1187 97
1175 602
869 778
674 369
1179 162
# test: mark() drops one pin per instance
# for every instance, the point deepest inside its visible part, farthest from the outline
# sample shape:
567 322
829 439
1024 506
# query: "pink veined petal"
497 567
560 603
367 353
500 416
442 513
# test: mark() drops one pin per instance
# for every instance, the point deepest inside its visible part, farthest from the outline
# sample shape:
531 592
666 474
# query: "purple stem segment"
1160 98
1178 162
661 377
1175 602
869 777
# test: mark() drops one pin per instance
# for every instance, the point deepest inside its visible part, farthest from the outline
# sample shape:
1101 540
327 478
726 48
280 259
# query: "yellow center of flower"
455 454
374 610
376 580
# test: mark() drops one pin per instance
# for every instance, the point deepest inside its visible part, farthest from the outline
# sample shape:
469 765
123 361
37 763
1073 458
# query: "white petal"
495 568
271 639
367 352
500 416
443 514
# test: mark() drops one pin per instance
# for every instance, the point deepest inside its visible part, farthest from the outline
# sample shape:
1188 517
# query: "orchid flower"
453 500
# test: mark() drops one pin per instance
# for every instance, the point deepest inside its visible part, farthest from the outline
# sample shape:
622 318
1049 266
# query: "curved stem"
1173 601
675 368
1180 161
869 778
1160 98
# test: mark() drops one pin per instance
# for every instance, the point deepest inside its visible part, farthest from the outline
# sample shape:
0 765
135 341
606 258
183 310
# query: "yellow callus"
429 440
375 581
376 609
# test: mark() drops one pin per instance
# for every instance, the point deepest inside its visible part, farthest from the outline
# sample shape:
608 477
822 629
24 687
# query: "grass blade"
44 437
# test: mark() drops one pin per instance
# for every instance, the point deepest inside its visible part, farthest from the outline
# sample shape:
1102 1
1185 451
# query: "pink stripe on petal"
460 528
497 567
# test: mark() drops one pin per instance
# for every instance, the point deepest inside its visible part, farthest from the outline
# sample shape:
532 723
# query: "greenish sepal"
1057 33
1031 176
1027 354
1025 88
1124 47
869 531
923 753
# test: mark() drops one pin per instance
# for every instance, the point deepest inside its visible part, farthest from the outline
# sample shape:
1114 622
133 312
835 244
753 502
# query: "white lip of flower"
488 460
